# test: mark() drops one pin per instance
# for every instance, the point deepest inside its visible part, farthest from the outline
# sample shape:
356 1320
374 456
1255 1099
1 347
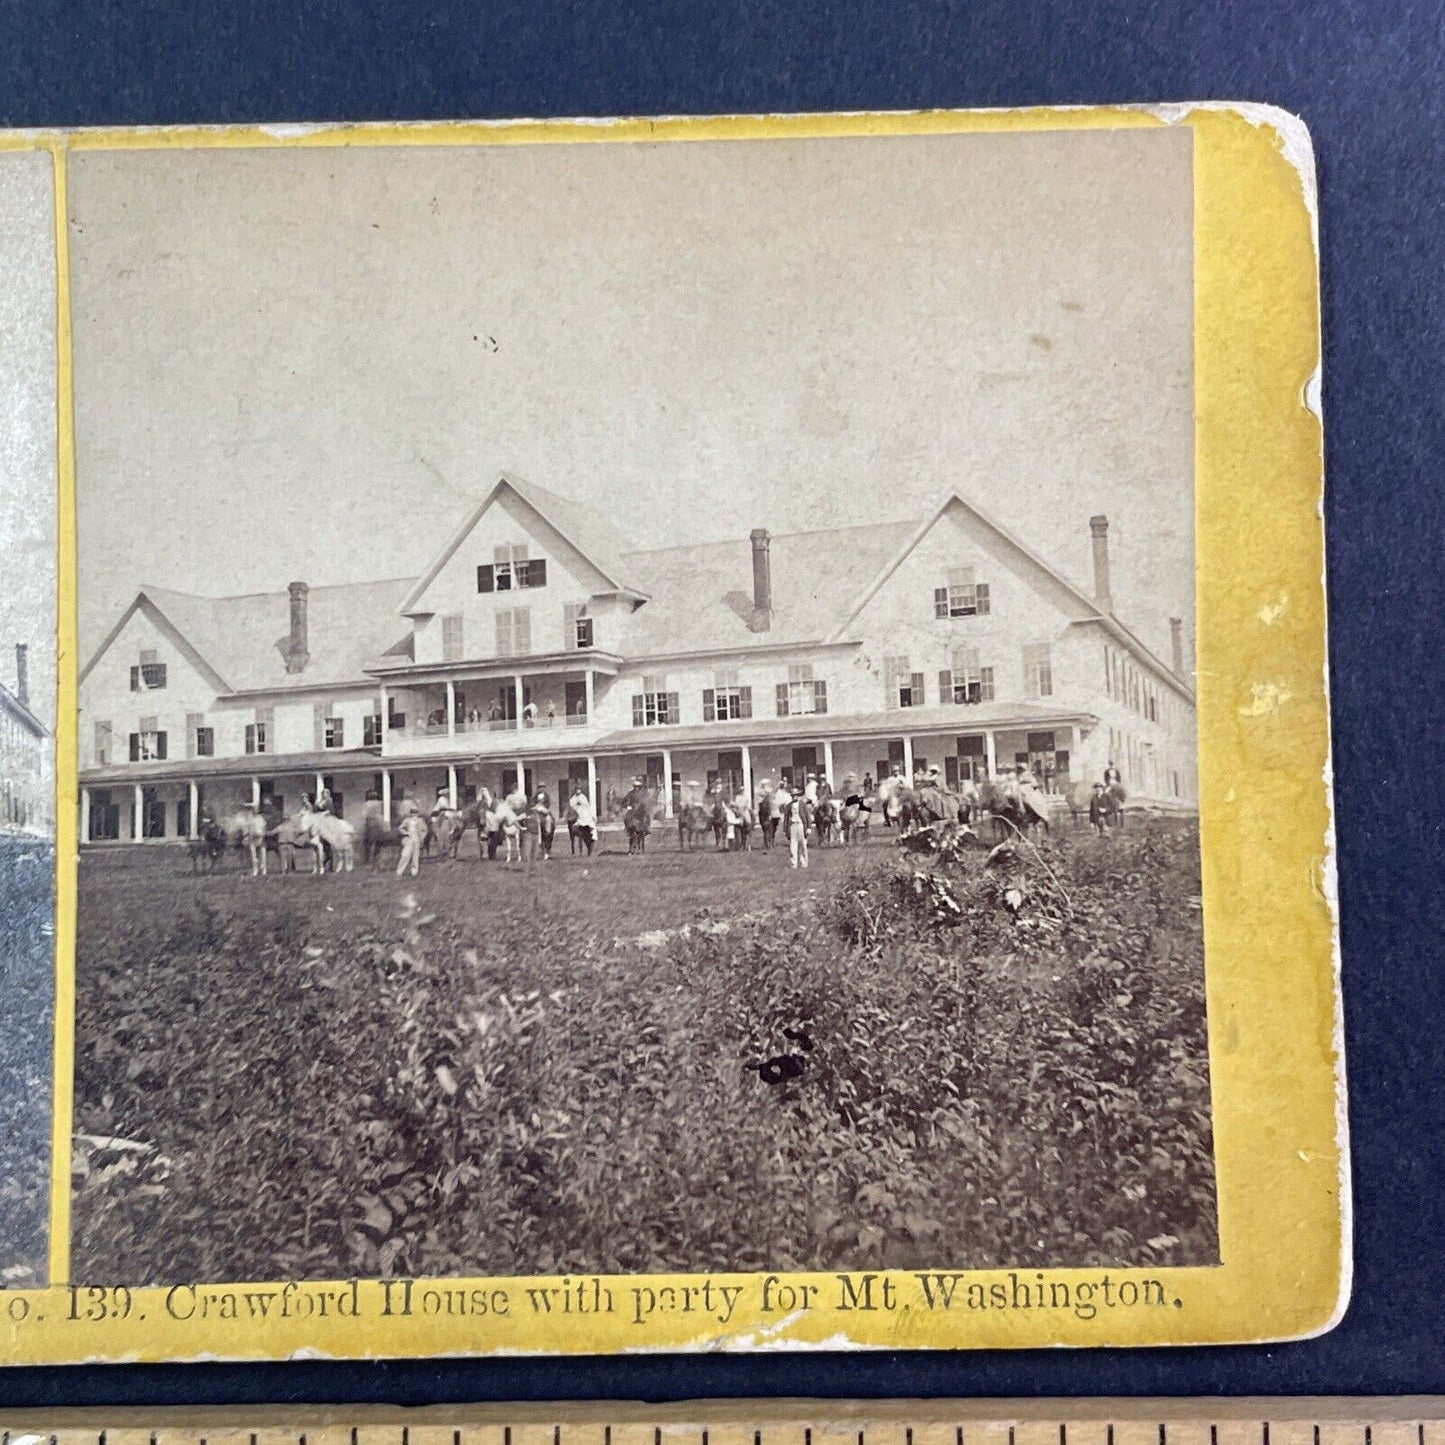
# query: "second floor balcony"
487 715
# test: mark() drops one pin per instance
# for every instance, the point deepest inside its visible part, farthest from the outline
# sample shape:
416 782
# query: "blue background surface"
1368 80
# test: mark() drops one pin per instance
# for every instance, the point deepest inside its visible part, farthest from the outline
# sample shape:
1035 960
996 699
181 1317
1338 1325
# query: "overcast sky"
27 422
309 363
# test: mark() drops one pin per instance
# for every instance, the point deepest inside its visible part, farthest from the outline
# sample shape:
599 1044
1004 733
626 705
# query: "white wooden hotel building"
27 789
541 643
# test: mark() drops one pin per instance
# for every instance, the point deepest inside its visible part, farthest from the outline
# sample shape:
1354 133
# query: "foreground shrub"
1015 1076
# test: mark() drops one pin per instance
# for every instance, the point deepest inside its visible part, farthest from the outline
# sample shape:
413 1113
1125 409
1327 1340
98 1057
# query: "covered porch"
433 711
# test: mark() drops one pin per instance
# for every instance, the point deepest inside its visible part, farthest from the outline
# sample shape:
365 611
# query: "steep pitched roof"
592 534
234 639
10 703
699 599
1092 611
702 597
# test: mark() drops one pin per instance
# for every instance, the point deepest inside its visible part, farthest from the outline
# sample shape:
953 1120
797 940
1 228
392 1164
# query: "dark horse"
693 822
207 847
767 820
637 820
1010 811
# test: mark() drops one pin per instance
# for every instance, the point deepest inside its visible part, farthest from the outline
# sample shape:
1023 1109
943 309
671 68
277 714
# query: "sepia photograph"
27 713
637 709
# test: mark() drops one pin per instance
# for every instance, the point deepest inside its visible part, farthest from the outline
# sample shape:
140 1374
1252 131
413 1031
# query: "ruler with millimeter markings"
1412 1420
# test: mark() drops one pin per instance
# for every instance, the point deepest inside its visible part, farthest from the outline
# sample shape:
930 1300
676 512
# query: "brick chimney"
1176 639
762 618
1103 597
294 649
22 673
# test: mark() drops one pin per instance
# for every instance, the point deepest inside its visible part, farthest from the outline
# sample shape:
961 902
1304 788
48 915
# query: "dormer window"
510 570
962 596
577 627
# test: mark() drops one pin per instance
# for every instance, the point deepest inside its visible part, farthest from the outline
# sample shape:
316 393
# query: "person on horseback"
325 803
1111 775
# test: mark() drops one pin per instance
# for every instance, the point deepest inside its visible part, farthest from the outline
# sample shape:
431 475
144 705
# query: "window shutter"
135 679
160 747
674 710
135 747
638 716
504 633
940 601
709 705
318 725
820 696
916 689
522 629
193 723
745 701
985 684
782 699
980 599
945 686
486 578
537 572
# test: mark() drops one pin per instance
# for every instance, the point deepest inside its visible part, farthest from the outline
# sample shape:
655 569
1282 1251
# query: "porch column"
592 781
587 680
990 753
452 782
386 795
320 783
521 699
452 724
137 814
666 783
747 772
85 815
908 758
255 792
195 807
385 716
521 768
828 761
1075 742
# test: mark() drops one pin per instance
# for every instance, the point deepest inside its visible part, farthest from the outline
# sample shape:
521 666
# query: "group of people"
784 807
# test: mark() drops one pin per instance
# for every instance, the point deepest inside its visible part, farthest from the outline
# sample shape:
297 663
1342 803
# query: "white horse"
248 827
504 818
335 833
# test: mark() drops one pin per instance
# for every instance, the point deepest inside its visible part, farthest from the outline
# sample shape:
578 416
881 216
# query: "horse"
328 831
1014 809
637 820
504 831
827 820
376 834
247 829
915 808
767 819
292 839
449 828
853 820
207 846
693 822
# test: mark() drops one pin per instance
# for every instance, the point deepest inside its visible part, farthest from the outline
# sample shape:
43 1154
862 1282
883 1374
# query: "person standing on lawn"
797 817
413 835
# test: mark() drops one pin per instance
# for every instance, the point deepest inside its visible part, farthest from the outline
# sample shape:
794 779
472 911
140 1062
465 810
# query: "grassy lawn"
490 1070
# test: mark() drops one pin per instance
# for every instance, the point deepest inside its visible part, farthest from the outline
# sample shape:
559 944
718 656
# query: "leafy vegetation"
27 1004
497 1072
